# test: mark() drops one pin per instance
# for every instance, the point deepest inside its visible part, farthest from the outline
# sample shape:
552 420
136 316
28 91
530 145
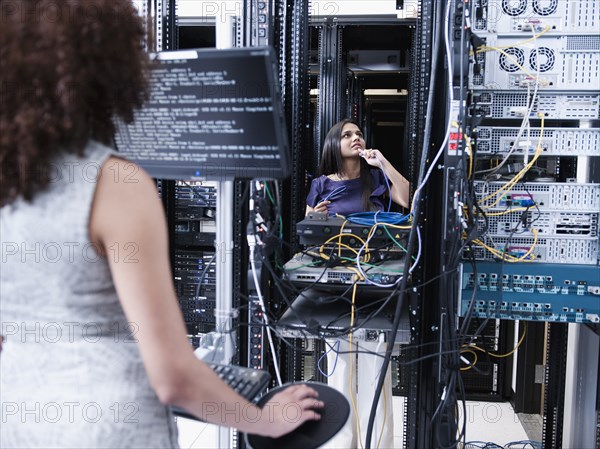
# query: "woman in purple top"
351 178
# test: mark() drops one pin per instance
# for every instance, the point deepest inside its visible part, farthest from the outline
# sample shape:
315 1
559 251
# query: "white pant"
356 375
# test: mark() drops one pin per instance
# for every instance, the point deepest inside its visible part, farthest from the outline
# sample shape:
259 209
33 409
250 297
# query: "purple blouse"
349 201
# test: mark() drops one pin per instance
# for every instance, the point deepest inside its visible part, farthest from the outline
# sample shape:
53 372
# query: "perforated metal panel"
158 25
551 224
557 62
551 250
514 105
555 141
547 196
526 16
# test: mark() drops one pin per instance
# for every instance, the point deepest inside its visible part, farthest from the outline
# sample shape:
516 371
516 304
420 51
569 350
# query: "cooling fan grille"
541 59
514 7
545 7
511 59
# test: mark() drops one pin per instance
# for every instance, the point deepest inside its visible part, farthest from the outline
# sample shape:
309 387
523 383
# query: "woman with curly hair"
95 347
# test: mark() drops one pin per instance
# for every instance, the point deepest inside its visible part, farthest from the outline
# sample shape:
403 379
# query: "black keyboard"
247 382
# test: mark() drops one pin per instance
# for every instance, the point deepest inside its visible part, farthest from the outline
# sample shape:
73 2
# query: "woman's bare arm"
127 214
399 184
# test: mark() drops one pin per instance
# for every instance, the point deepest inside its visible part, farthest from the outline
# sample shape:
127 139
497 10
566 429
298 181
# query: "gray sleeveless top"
71 374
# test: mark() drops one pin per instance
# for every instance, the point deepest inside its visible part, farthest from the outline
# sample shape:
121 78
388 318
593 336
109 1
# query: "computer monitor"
213 114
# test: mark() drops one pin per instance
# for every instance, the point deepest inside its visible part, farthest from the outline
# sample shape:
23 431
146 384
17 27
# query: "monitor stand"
224 283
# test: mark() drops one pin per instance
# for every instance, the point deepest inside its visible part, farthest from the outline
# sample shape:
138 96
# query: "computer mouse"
311 434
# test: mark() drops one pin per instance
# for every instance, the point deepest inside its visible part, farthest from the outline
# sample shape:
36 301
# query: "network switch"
541 292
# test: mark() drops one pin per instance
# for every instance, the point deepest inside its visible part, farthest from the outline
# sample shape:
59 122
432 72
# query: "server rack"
524 131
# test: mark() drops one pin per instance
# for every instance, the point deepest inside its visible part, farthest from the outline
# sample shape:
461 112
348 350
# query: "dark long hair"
331 162
66 69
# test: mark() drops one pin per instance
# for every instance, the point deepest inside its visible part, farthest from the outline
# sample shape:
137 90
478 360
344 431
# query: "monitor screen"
213 114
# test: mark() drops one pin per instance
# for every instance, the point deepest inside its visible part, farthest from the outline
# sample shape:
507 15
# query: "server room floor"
494 422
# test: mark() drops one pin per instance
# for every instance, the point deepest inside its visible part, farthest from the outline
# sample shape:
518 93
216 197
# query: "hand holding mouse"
303 400
322 408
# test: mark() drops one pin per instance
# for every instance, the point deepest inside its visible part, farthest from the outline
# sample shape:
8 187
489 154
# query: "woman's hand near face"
373 157
400 186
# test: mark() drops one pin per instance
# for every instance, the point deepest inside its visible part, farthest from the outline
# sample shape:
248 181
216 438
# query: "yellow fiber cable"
470 157
518 176
514 61
330 239
485 48
322 249
504 212
500 356
340 238
508 257
470 351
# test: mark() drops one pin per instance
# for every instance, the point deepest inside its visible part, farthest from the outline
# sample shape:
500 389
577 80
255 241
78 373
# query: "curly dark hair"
331 162
67 68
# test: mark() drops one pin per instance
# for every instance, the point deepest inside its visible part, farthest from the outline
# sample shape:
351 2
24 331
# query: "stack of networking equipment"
346 278
194 253
340 252
534 86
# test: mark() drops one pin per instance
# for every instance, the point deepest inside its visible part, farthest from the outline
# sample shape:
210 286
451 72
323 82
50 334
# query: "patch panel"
554 141
557 63
538 292
527 16
515 104
545 250
545 196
